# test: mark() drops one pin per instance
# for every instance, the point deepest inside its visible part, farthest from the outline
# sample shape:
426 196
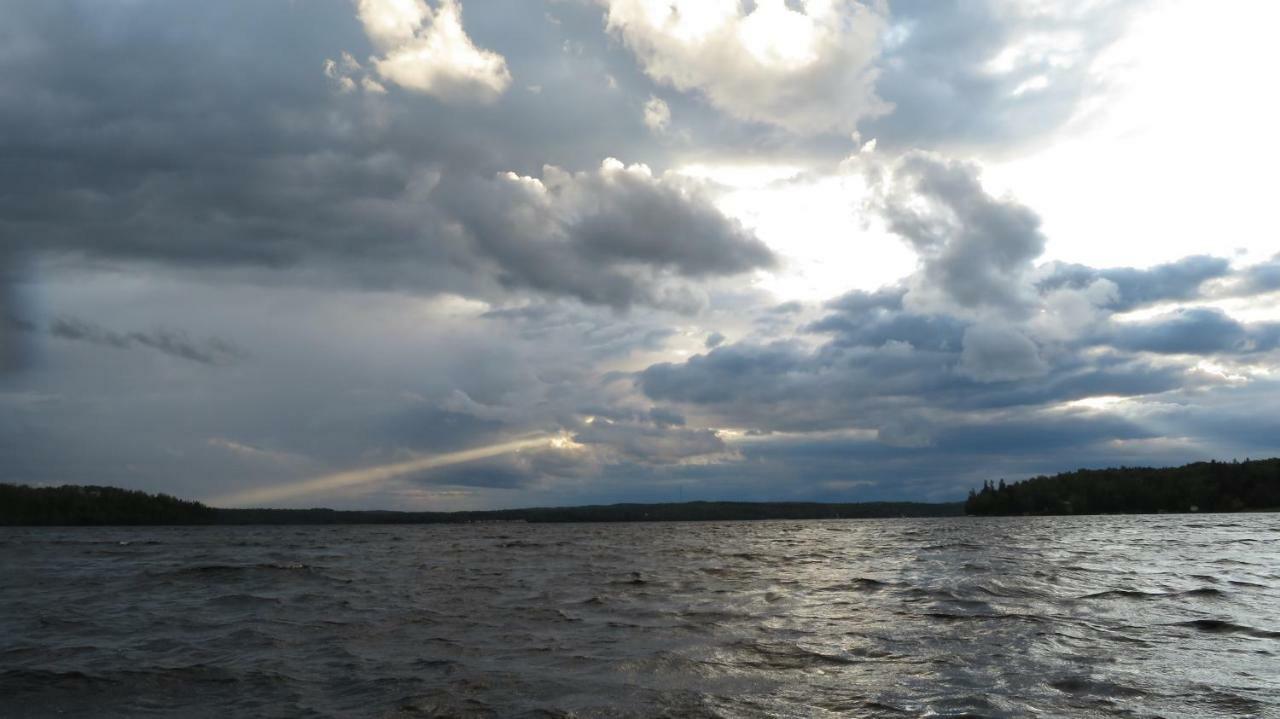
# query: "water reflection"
1095 616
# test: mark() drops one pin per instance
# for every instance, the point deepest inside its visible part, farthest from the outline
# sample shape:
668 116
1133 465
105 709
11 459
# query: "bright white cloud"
808 70
427 50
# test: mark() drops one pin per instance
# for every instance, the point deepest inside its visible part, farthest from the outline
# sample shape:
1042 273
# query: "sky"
453 254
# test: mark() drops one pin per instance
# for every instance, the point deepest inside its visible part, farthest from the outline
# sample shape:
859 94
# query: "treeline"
1198 487
728 511
75 505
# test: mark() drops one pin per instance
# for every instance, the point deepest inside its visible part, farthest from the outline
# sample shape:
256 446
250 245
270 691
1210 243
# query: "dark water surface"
1172 616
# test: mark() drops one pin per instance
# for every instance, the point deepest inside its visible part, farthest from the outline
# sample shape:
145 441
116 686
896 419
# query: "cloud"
616 236
808 68
254 454
661 443
174 343
977 333
1262 277
138 135
990 73
663 417
657 115
1179 280
14 325
596 333
426 50
424 261
1195 330
975 250
853 326
994 353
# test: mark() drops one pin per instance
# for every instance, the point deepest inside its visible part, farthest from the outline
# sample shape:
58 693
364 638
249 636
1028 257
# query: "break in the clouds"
443 253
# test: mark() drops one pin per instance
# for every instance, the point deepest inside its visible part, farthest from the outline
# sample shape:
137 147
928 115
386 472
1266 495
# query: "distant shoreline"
74 505
1201 487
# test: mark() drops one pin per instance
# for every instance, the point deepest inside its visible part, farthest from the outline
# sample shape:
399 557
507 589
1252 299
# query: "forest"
77 505
72 505
1199 487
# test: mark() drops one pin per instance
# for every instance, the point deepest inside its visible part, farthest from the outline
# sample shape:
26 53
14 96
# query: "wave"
1142 596
1222 626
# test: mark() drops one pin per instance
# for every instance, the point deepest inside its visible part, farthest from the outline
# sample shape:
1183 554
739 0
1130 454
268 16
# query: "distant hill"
75 505
1198 487
80 505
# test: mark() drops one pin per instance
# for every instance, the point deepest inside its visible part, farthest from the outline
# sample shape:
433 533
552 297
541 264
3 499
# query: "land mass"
1199 487
1252 485
73 505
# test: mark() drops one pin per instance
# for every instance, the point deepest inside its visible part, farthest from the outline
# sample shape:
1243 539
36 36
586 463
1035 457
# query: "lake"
1135 616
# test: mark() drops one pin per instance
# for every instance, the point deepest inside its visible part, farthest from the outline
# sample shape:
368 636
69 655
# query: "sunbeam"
369 475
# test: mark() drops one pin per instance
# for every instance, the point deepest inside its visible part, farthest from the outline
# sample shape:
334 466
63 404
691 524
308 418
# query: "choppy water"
1083 616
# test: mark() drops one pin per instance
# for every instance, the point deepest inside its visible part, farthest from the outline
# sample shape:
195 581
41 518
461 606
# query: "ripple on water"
1073 616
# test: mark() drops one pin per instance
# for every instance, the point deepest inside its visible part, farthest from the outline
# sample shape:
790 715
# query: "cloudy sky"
445 254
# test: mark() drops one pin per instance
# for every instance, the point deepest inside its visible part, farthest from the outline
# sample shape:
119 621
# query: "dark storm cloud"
174 343
1179 280
876 327
788 388
859 301
663 417
1196 330
189 135
1073 379
493 473
15 326
612 236
1234 421
149 132
727 373
429 428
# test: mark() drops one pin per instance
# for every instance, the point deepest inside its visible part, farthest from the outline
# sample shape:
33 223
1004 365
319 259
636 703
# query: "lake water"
1171 616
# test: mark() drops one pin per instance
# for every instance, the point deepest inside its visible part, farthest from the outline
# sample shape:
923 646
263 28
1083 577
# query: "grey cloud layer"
187 134
175 343
989 74
138 136
975 250
979 339
614 236
199 165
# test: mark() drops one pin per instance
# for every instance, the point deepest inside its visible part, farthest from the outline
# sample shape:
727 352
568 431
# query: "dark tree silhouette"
1199 487
74 505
